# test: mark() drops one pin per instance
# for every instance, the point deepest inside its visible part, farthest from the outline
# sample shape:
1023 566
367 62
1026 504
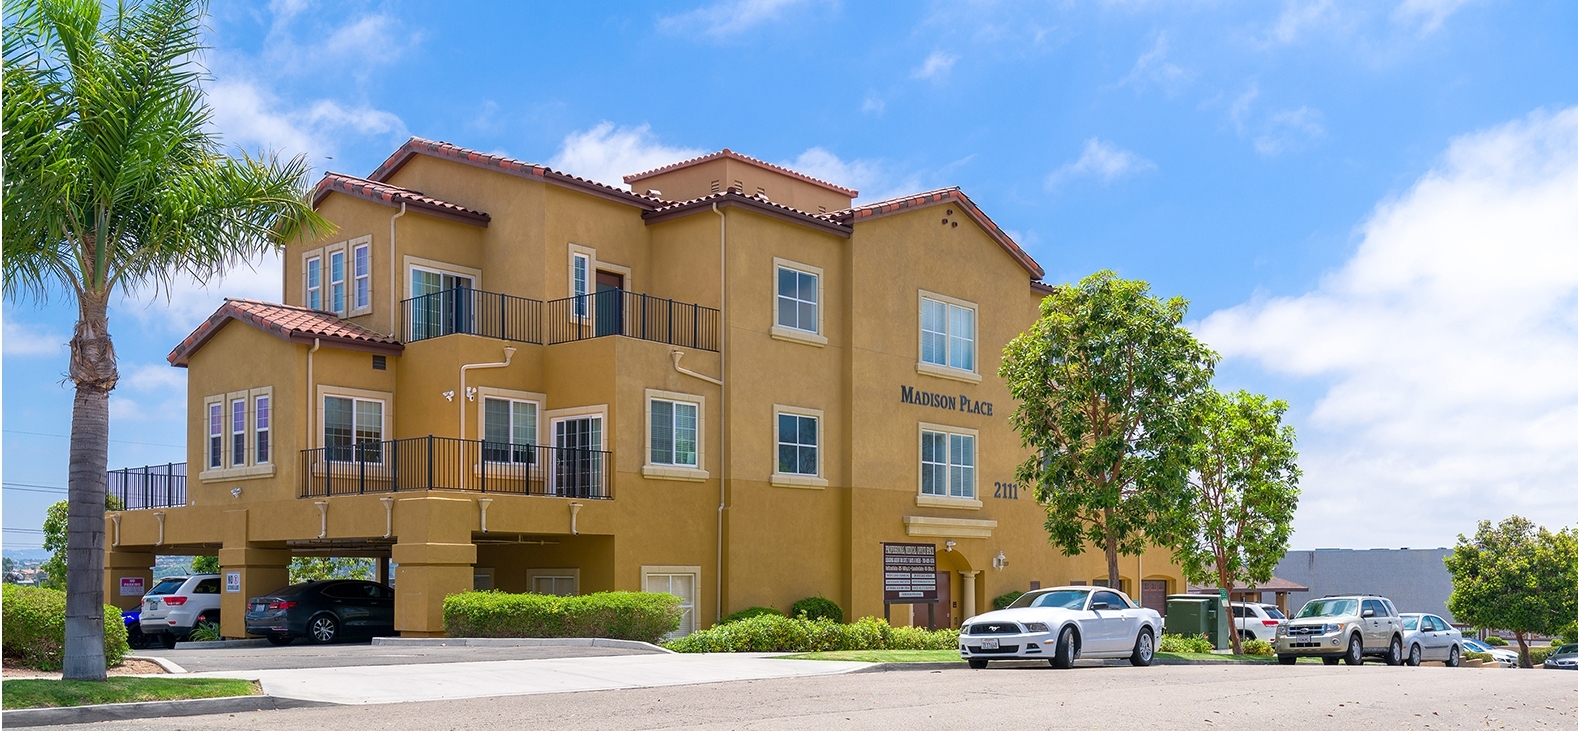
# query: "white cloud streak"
1153 68
729 18
22 339
1429 15
1101 160
607 153
935 67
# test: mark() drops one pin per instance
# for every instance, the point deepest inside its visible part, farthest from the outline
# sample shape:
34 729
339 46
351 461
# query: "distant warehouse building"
1415 579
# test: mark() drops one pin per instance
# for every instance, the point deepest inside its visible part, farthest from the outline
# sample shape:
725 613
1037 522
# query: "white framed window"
509 430
557 582
947 332
681 581
578 460
337 282
673 429
353 428
260 428
798 298
238 432
216 434
580 283
798 437
947 462
314 274
361 277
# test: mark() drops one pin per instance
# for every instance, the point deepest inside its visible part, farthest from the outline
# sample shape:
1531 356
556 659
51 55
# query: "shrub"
749 612
1003 601
625 615
1258 647
1483 656
817 607
1537 655
777 633
34 628
205 632
1195 644
1495 641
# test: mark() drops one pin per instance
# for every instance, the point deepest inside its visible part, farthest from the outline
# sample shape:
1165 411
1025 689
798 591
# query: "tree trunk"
1221 583
1523 650
1113 582
93 370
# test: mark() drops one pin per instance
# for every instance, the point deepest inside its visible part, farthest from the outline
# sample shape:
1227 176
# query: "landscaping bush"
749 612
1258 647
1483 656
1495 641
777 633
1537 655
816 607
624 615
1003 601
1196 644
34 628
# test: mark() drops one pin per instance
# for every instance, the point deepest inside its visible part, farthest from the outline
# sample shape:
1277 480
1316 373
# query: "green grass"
881 656
41 693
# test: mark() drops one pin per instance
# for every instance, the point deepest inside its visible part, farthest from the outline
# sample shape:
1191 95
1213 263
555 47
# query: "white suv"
177 604
1257 621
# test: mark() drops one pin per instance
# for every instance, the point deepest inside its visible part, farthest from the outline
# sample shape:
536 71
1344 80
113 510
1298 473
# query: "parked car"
1563 658
1062 624
176 605
1500 654
135 639
1428 637
1257 621
1342 628
322 611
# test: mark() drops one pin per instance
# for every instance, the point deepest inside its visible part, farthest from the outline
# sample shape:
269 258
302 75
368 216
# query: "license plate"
259 607
989 644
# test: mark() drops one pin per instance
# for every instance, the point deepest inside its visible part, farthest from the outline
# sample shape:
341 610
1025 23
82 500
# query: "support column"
435 557
133 566
383 571
966 595
247 569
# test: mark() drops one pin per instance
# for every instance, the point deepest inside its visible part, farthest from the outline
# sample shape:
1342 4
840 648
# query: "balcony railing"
469 311
446 463
154 486
617 312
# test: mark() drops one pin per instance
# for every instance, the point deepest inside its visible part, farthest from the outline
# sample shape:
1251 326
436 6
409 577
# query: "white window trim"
252 422
791 334
350 275
808 482
944 371
592 265
484 392
573 574
695 601
306 282
386 397
670 471
251 469
441 267
328 276
940 501
552 418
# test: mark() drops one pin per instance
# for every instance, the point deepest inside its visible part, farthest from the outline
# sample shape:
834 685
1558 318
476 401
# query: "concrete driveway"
299 655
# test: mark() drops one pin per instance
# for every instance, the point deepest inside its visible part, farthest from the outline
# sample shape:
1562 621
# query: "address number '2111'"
1006 490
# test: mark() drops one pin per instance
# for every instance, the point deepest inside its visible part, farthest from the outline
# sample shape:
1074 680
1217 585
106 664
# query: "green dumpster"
1199 614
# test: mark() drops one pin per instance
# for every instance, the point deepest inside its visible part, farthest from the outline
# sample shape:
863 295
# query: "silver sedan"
1428 637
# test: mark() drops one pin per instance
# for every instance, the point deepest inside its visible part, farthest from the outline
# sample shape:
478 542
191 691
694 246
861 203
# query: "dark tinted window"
1273 612
1387 603
1238 612
1371 605
384 592
207 586
167 586
343 591
1112 600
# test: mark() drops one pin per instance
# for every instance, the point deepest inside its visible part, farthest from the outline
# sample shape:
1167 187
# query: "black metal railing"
617 312
446 463
154 486
468 311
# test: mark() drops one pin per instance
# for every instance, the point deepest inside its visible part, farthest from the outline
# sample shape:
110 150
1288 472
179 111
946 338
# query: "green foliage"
1003 601
120 689
33 628
205 564
750 612
1537 655
1107 381
1258 647
205 632
1495 641
1481 656
777 633
52 573
1517 577
624 615
319 568
817 607
1193 644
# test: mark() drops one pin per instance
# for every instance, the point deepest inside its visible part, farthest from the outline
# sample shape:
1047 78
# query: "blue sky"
1371 205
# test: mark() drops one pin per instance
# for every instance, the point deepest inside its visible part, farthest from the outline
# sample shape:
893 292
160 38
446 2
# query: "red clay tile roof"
531 171
394 195
1043 287
732 155
852 216
733 197
294 324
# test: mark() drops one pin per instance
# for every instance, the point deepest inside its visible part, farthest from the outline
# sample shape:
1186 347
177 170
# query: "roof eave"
736 200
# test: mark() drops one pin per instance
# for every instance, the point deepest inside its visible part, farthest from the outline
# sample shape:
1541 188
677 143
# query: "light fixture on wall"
949 546
471 393
1000 561
235 492
449 395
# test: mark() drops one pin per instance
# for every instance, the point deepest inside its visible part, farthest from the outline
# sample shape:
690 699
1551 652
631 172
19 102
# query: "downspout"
311 400
509 353
723 394
394 279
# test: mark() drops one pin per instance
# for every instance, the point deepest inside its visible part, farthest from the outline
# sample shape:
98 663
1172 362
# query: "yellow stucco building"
732 385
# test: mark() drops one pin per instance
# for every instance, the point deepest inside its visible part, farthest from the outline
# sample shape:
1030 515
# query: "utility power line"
117 441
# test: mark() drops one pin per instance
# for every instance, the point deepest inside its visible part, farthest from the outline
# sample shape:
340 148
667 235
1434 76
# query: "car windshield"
1330 608
1060 599
1274 613
1475 646
1567 650
1410 623
167 586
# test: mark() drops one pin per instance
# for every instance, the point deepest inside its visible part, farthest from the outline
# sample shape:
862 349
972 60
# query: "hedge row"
1194 644
624 615
33 628
777 633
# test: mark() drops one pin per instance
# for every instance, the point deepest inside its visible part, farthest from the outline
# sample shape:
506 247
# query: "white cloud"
873 105
1288 130
728 18
872 178
1101 160
1429 15
23 339
187 303
606 153
1152 67
250 116
154 378
1446 348
1298 17
935 66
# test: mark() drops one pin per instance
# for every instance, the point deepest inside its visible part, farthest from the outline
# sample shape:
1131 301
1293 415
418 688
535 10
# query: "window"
578 456
947 334
797 441
674 426
1112 600
337 282
580 272
361 272
797 299
315 283
555 582
260 430
353 429
509 430
238 432
216 442
947 464
681 581
206 586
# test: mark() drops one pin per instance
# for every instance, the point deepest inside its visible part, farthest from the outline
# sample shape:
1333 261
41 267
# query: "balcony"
466 311
465 465
154 486
617 312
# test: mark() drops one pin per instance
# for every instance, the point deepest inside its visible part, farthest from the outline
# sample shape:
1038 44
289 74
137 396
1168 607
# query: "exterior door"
610 303
921 614
578 457
440 304
1109 629
1153 595
1374 625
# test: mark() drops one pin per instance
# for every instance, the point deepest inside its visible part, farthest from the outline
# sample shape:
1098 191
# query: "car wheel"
1355 654
167 640
1394 651
977 663
1455 658
1331 660
1414 656
1287 659
1144 649
322 629
280 640
1063 655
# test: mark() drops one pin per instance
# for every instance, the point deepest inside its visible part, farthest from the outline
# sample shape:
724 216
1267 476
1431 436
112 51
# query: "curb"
221 644
168 666
151 709
519 642
884 667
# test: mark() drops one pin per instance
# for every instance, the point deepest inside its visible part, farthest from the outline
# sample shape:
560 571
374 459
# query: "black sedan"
322 611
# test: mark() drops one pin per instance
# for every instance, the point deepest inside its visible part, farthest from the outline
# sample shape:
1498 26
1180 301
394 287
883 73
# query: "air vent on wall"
715 186
380 363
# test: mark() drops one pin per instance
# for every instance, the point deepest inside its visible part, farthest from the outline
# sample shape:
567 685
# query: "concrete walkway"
448 681
243 657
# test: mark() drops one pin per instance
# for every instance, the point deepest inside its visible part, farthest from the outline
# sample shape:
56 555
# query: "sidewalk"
443 681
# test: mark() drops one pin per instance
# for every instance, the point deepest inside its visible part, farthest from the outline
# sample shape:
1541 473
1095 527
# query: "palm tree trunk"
93 370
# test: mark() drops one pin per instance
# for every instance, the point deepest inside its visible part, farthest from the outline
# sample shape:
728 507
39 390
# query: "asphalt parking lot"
1163 697
302 655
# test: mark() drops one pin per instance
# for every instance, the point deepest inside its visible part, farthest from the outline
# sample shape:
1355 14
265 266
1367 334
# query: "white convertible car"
1063 624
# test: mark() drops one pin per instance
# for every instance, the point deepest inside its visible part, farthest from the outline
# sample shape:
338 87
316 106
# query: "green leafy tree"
205 564
318 568
1517 577
115 181
1106 381
1246 477
52 573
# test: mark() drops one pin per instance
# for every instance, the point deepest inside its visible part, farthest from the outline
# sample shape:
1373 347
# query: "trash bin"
1199 614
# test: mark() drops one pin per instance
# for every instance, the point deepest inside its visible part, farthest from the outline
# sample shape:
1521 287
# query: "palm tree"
114 179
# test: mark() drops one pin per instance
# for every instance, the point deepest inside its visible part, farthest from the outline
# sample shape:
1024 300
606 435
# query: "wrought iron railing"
467 311
617 312
446 463
153 486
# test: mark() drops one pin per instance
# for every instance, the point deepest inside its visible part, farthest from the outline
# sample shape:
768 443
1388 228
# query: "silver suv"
1342 628
177 604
